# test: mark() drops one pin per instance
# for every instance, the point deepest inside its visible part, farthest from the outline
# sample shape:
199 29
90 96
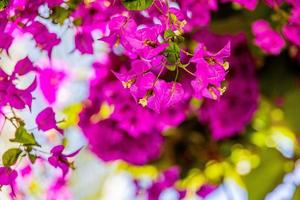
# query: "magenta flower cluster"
159 61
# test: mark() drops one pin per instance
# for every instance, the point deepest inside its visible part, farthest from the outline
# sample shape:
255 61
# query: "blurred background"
261 162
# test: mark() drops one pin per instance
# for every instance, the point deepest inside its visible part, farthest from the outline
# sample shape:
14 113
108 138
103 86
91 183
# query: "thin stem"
9 119
177 73
3 126
186 52
160 72
13 112
185 69
176 77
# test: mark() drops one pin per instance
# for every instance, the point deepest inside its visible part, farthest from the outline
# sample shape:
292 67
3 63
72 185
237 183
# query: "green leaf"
10 157
297 194
173 18
23 137
179 39
173 48
172 58
266 176
171 67
172 53
169 34
292 109
3 3
137 4
77 21
32 158
59 15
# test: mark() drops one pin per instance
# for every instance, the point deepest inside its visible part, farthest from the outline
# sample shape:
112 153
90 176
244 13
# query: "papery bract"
59 190
5 41
49 82
144 42
197 13
44 39
45 120
60 160
120 27
210 71
292 29
205 190
8 177
23 67
266 38
165 96
166 179
84 42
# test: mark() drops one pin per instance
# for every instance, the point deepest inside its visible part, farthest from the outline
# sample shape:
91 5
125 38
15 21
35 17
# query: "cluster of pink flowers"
9 93
229 116
158 61
266 38
272 41
135 132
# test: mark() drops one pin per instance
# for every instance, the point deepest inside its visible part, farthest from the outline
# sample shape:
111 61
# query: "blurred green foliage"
267 176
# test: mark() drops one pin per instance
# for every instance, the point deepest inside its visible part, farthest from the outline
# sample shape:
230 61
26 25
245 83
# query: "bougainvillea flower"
60 160
120 27
142 85
177 20
8 177
23 67
26 170
119 144
165 95
44 39
135 131
292 29
197 13
45 120
5 41
17 98
134 135
210 71
49 82
95 14
138 68
58 189
266 38
205 190
144 42
235 109
295 3
10 94
273 3
84 42
164 181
